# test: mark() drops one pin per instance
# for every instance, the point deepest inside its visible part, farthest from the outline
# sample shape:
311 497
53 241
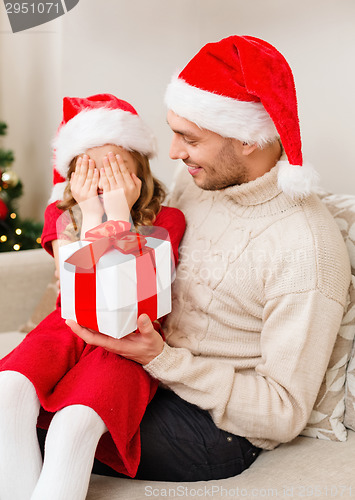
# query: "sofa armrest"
24 277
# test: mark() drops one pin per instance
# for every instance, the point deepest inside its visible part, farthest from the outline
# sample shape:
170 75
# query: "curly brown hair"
148 205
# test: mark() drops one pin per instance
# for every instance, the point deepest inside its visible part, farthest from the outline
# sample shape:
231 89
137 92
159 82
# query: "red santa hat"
94 121
242 87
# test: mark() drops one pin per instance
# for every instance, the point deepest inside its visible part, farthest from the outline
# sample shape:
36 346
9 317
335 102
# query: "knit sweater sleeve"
273 404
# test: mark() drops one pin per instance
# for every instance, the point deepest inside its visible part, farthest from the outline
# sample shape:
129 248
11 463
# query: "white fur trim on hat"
245 121
297 181
57 192
96 127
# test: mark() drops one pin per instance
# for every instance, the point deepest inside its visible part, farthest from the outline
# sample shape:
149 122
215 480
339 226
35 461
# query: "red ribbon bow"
110 234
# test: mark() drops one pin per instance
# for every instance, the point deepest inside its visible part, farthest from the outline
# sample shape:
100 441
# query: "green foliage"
3 128
6 157
15 233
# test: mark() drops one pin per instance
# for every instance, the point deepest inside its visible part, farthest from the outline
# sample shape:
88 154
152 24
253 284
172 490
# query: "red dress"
67 371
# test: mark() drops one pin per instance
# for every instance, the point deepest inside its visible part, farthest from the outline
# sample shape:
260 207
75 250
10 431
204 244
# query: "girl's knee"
79 419
14 384
17 393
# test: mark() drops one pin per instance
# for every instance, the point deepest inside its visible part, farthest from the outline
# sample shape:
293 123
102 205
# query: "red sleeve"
173 220
49 232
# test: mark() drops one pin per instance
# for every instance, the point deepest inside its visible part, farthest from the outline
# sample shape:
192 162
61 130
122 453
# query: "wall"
131 47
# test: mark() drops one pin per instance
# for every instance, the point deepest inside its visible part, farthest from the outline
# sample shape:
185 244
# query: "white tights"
69 450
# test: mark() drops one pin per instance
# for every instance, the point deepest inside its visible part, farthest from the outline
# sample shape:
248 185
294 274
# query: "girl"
90 400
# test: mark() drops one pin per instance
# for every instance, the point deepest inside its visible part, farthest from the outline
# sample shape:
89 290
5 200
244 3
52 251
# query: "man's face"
215 162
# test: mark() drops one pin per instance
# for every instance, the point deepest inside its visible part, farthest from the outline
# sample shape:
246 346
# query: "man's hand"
141 346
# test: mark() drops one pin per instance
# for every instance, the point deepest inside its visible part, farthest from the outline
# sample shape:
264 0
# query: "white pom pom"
297 181
57 192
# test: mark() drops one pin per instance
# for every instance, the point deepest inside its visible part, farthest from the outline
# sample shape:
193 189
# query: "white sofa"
304 468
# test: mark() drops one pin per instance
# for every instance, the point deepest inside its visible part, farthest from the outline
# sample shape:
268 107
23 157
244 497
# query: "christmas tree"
15 233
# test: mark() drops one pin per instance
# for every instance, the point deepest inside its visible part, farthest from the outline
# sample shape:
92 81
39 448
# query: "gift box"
113 276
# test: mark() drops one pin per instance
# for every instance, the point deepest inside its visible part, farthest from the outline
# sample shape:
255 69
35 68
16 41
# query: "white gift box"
116 286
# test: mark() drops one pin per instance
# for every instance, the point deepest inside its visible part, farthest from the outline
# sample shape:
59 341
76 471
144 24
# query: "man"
262 280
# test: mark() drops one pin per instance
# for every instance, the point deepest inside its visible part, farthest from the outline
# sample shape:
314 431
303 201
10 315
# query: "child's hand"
84 184
121 189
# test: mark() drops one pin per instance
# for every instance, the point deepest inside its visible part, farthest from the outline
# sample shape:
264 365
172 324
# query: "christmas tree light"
15 233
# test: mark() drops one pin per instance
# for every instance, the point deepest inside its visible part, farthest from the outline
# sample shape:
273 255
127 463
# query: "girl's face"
97 154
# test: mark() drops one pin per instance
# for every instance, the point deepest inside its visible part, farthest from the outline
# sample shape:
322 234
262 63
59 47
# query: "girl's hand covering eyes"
84 184
121 189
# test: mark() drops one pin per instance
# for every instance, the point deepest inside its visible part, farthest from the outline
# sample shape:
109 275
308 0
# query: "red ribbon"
112 234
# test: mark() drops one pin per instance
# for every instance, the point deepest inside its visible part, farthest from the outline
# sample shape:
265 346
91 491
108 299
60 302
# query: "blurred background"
132 47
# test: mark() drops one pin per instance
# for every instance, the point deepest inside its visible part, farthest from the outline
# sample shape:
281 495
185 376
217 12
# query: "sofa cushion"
8 342
44 307
342 207
24 275
349 417
327 418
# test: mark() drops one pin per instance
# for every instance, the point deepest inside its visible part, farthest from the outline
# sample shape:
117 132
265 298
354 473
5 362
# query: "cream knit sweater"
257 303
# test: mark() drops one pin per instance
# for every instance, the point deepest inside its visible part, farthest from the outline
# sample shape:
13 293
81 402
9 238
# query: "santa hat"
94 121
242 87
